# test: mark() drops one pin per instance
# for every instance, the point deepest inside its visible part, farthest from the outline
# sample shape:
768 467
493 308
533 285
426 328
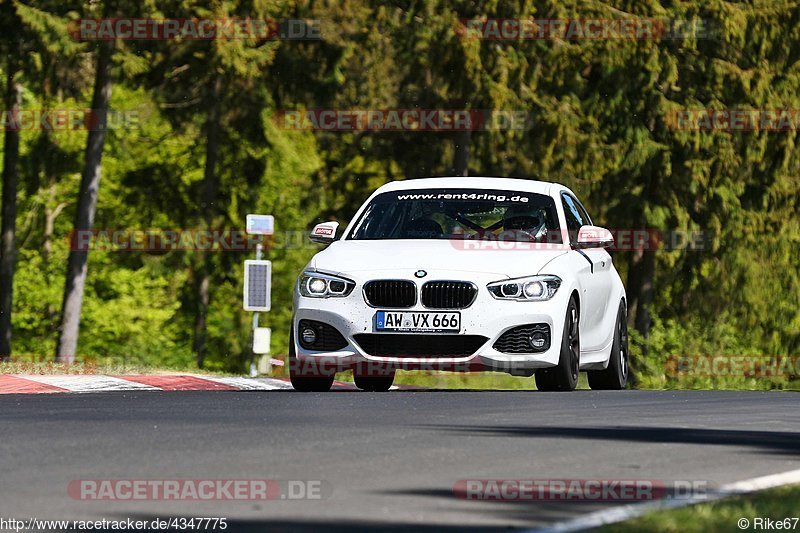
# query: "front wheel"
615 376
311 383
564 376
374 383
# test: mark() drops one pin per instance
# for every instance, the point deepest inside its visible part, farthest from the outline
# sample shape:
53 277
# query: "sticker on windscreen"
467 195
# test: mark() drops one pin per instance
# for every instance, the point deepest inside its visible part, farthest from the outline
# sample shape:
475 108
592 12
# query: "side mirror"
324 233
594 237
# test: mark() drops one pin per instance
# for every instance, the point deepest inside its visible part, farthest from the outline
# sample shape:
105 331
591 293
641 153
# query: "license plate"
417 321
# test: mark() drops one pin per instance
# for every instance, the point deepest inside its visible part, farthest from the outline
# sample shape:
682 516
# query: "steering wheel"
525 233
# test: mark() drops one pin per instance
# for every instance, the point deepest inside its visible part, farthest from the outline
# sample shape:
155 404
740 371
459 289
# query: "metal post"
259 225
254 361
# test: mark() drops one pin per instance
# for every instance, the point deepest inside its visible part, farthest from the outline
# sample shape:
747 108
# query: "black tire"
311 383
374 383
301 379
564 376
615 376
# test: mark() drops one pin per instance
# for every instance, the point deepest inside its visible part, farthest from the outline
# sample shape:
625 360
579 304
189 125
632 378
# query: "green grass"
661 382
501 381
722 515
471 380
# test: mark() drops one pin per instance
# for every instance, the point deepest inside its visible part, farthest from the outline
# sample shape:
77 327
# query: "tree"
12 102
219 79
207 152
87 207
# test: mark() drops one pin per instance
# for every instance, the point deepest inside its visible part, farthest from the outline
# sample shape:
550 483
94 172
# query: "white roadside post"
257 292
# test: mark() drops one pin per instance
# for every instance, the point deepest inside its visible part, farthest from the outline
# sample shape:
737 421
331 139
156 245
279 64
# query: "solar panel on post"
257 281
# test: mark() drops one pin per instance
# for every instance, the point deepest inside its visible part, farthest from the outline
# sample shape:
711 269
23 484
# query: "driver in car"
525 221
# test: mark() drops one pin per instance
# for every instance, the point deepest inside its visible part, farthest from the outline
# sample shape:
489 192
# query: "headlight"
318 285
531 288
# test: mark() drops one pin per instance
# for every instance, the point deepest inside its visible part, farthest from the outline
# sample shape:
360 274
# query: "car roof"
508 184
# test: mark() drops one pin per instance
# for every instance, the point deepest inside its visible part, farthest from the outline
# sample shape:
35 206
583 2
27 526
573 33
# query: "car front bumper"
486 316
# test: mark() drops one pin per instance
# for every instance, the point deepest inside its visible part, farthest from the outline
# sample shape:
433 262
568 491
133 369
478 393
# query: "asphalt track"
386 460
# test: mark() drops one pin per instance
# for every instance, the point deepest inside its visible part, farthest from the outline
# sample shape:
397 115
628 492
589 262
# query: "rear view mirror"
594 237
324 233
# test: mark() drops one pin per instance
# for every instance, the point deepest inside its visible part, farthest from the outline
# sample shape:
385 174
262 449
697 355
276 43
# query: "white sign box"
261 338
260 224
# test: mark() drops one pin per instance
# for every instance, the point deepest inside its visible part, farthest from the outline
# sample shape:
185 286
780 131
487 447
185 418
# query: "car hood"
343 257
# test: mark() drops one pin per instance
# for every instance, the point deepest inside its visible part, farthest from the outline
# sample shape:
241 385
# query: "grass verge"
723 515
472 380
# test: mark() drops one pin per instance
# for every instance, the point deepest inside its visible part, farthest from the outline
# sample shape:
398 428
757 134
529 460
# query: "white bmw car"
462 274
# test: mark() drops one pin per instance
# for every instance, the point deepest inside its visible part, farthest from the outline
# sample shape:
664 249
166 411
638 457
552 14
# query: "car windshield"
459 213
